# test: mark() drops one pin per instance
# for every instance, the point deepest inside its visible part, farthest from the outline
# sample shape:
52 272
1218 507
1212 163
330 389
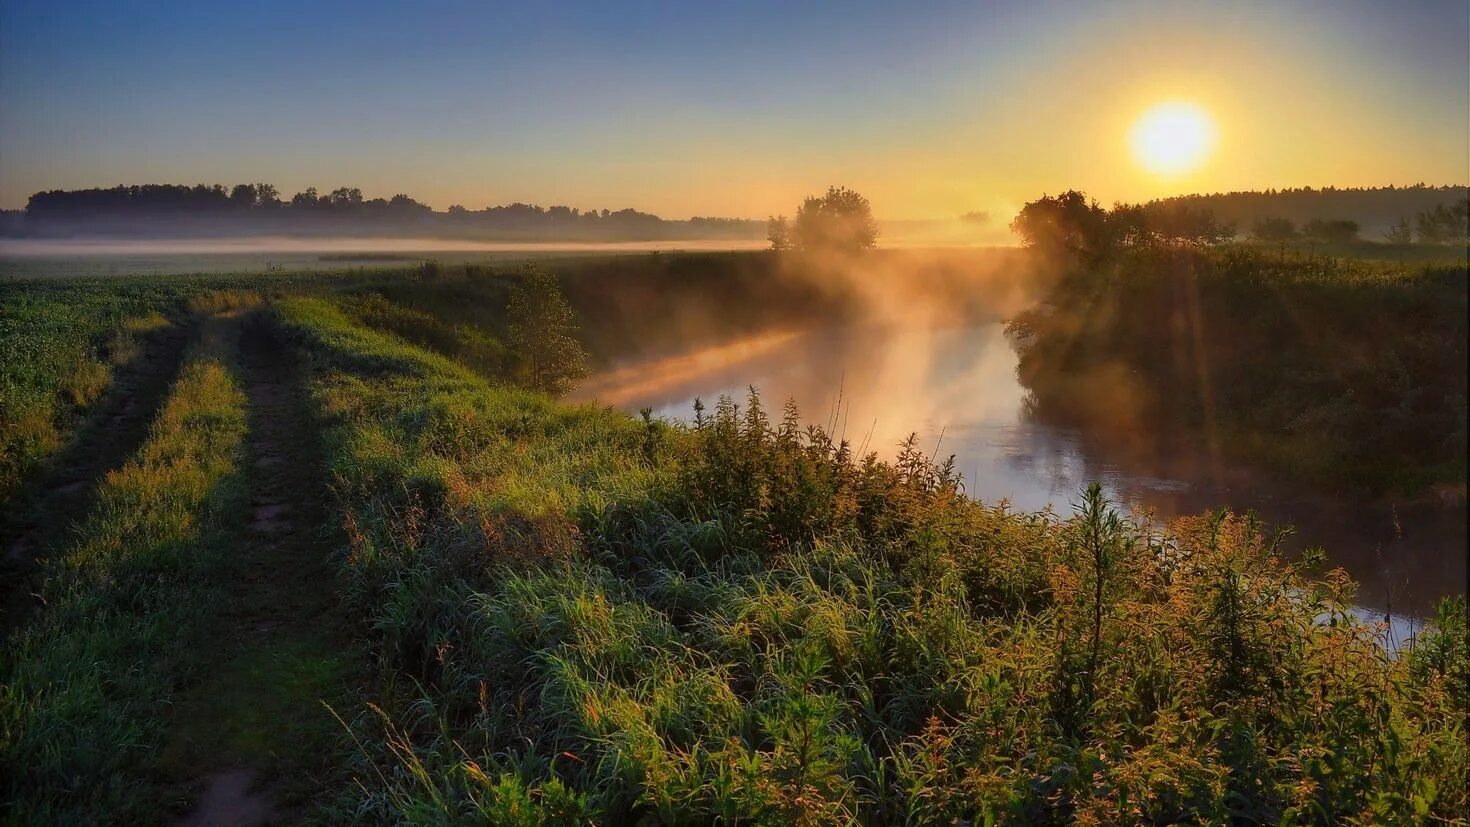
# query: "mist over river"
957 388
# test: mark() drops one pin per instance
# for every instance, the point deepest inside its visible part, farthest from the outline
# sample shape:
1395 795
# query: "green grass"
62 341
87 686
573 616
581 617
59 354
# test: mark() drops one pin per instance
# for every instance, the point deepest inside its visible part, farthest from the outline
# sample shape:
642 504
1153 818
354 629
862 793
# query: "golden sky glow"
713 109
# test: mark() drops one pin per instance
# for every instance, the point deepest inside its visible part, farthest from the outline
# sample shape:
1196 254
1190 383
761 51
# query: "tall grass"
85 687
584 617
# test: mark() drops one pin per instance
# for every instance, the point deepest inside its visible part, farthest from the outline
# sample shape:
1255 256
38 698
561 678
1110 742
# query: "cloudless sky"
733 109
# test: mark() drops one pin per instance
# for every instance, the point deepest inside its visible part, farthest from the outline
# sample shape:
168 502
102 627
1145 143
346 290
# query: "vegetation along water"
334 550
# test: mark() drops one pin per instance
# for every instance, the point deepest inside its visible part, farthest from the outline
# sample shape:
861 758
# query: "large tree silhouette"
839 222
1068 222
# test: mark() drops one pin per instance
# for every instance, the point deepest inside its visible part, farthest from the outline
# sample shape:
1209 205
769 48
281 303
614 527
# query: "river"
958 389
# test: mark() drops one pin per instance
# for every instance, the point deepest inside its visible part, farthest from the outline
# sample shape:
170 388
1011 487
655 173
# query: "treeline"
1375 209
1447 223
1072 223
244 209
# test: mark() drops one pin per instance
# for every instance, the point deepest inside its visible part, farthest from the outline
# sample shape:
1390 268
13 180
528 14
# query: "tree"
1400 233
266 195
1128 224
1333 231
345 196
542 333
1445 223
1068 223
1273 229
243 196
840 221
778 232
1180 222
406 204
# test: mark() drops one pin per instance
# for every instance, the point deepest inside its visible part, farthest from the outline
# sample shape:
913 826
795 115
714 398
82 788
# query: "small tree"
778 232
1273 229
1400 233
542 333
840 221
1334 231
1446 223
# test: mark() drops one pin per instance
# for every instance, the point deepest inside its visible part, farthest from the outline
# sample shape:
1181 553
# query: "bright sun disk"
1173 138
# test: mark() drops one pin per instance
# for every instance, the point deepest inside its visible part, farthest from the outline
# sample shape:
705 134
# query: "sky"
931 109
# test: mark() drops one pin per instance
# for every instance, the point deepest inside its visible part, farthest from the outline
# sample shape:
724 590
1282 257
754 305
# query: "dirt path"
252 743
64 490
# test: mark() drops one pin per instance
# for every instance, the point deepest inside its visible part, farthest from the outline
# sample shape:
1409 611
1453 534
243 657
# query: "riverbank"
564 611
1344 374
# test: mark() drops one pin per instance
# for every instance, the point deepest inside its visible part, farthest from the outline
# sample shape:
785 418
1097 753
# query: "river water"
957 389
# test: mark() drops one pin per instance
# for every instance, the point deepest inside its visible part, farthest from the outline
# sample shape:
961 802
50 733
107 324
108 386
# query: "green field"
356 551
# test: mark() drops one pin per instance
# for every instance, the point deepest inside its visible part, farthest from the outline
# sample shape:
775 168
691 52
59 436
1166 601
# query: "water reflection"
957 389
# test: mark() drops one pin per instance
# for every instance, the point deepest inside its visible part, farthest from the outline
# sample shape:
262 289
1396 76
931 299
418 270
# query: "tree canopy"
542 327
1445 223
1067 222
1073 224
840 221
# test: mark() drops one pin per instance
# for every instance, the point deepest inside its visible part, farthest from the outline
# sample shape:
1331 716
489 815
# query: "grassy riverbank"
562 614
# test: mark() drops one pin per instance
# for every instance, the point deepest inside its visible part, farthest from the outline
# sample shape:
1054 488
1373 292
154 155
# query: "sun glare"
1173 138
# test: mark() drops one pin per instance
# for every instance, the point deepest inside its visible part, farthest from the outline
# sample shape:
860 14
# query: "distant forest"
1377 209
164 210
168 210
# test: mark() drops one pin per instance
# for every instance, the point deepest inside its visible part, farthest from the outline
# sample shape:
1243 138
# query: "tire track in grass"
252 739
39 517
86 684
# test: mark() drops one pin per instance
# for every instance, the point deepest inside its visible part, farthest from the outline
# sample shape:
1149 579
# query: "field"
337 553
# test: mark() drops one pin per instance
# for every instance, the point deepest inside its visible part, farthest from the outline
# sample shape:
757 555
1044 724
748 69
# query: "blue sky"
726 109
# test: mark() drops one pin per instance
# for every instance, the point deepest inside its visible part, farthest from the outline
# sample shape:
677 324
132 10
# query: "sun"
1173 138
